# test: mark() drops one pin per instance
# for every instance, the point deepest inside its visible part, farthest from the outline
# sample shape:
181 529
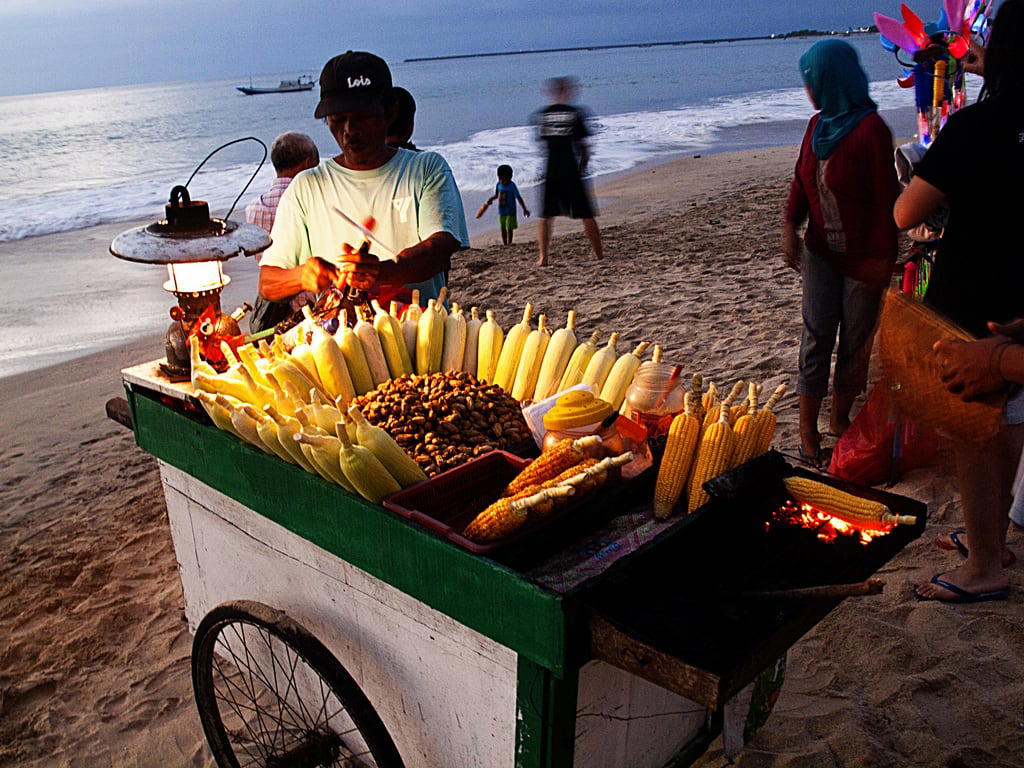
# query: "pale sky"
52 45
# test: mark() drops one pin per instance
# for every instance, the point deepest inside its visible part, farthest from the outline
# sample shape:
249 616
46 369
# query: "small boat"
303 83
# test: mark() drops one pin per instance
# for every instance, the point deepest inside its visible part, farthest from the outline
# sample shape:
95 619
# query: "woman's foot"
963 585
837 426
956 541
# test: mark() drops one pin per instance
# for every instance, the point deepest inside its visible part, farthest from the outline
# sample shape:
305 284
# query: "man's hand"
1013 330
526 211
974 61
317 275
967 367
791 245
360 270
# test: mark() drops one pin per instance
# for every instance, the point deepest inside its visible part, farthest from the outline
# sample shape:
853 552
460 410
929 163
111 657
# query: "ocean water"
74 159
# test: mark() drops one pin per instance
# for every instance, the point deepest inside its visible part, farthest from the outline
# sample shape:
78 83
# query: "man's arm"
280 284
583 150
918 200
419 262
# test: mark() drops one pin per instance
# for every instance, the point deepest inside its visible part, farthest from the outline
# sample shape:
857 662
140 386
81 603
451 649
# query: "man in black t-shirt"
563 129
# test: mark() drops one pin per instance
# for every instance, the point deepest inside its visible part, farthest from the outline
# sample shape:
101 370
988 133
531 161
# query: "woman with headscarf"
844 187
975 166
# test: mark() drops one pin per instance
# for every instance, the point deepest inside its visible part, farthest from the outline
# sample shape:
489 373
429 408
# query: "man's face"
361 137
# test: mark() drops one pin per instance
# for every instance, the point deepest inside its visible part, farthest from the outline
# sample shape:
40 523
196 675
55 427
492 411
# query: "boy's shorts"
507 223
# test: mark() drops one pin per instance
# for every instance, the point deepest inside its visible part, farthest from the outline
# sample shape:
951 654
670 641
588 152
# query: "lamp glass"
195 276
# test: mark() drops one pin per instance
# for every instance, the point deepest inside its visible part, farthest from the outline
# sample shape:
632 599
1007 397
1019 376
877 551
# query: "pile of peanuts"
445 419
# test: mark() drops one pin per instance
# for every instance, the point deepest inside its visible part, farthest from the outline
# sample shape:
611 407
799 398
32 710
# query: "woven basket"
907 331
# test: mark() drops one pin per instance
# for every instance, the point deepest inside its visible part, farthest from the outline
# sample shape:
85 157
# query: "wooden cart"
438 657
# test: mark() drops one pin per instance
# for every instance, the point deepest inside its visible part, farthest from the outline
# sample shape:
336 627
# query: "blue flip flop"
815 460
962 548
962 595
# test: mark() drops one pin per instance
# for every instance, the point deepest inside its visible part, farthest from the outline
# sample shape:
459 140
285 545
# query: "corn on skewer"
254 364
552 462
577 364
469 358
429 339
766 421
600 365
364 470
680 449
715 411
845 506
560 348
301 357
506 515
656 353
530 361
713 455
220 415
355 359
372 349
453 349
266 428
621 376
488 348
511 350
287 428
330 365
410 324
746 430
697 390
322 452
244 425
389 331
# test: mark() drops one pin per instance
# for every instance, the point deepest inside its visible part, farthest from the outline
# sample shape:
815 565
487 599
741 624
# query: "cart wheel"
270 694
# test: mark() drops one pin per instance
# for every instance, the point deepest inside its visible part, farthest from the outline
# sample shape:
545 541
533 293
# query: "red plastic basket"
446 503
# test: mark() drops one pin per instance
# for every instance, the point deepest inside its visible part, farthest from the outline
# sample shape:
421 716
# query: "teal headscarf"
832 72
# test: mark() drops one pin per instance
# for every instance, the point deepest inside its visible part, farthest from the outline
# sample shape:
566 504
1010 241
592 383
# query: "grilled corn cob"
766 421
577 364
709 400
401 466
545 502
680 448
552 462
746 430
716 410
389 332
488 348
621 376
473 324
530 361
845 506
506 515
600 365
453 350
429 339
556 358
511 350
364 470
697 390
713 455
355 359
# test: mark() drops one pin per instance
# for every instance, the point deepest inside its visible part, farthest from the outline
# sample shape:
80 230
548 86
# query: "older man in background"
291 153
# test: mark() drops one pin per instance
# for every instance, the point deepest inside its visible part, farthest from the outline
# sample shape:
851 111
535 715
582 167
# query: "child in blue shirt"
506 193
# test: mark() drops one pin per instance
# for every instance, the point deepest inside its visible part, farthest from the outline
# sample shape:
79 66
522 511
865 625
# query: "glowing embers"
828 526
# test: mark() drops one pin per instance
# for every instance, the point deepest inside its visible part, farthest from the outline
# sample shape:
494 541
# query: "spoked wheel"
271 695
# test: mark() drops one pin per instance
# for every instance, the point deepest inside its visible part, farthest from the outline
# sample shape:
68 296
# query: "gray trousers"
831 303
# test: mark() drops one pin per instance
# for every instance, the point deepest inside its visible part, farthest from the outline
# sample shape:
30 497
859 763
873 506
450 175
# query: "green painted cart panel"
481 594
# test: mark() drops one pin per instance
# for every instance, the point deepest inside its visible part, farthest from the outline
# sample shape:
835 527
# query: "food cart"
620 641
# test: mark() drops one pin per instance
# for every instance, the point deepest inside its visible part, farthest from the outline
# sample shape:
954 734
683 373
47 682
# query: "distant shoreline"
706 41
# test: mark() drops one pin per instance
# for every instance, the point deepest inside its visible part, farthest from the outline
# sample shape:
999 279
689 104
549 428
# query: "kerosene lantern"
193 246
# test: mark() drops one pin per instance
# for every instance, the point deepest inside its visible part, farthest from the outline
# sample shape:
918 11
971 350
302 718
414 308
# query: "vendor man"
411 196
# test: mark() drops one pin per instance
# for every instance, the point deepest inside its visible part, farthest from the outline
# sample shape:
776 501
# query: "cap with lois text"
352 82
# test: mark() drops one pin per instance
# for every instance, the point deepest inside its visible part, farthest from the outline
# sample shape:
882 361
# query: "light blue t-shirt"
411 197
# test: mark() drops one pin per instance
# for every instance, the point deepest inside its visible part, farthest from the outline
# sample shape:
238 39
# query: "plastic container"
655 397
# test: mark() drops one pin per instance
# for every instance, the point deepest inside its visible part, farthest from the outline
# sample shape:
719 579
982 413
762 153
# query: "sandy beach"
94 656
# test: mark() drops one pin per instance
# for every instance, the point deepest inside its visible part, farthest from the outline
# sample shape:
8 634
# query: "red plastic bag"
880 445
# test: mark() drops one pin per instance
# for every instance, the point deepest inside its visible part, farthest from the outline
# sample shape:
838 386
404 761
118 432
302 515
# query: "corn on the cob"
846 506
545 502
621 376
284 400
220 415
766 421
266 428
716 410
656 354
355 359
680 448
322 451
287 428
697 390
453 350
746 430
222 385
530 361
506 515
364 470
511 350
600 365
552 462
565 476
488 348
410 324
713 455
372 349
400 464
556 359
429 339
597 475
750 402
324 415
253 363
301 357
285 369
244 424
577 364
473 324
389 332
197 364
442 295
330 366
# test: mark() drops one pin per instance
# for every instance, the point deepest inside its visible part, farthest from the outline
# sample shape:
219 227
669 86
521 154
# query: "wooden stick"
826 591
